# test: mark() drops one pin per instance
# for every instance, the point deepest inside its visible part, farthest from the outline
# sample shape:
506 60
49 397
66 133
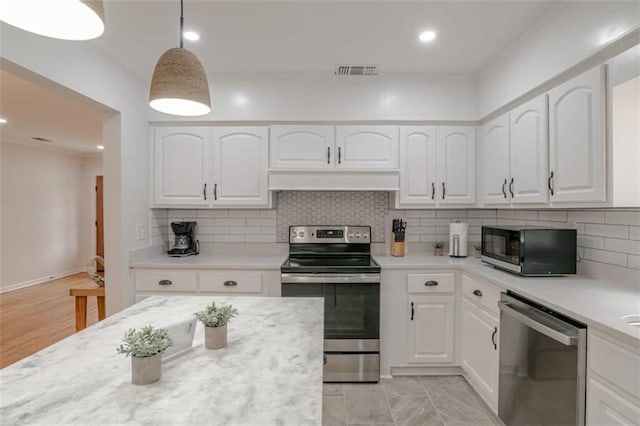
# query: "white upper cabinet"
367 147
529 152
577 139
494 161
181 166
418 165
302 147
240 166
456 165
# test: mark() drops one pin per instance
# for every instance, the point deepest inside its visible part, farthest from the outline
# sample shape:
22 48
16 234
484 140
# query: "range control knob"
301 234
293 234
358 235
350 235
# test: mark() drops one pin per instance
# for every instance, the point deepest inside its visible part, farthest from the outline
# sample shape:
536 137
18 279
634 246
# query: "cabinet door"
605 407
240 175
494 161
457 165
479 353
576 139
302 147
529 152
418 165
182 166
430 329
367 147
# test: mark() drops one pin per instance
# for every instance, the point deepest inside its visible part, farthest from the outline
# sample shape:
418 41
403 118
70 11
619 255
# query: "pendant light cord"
181 23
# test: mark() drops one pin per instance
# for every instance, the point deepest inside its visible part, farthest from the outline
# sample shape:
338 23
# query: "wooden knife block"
397 249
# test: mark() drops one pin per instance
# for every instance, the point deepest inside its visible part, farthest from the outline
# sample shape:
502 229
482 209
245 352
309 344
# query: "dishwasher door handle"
529 319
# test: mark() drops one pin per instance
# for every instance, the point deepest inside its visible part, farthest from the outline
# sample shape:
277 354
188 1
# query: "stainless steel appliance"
542 365
334 262
458 234
530 250
185 243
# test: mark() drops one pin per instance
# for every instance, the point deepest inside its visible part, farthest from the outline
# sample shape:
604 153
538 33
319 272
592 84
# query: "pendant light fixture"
61 19
179 84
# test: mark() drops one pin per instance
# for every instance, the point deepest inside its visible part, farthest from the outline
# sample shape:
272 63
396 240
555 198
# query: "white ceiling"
315 36
53 113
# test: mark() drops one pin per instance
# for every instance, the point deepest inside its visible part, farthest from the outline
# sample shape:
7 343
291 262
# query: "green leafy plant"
477 247
146 342
439 244
216 316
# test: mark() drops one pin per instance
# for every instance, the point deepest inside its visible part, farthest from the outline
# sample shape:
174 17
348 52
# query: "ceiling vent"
39 139
365 70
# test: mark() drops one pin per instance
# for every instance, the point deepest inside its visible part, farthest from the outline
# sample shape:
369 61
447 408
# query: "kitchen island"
270 372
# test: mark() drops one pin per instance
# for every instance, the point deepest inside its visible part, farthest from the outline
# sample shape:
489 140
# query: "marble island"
270 373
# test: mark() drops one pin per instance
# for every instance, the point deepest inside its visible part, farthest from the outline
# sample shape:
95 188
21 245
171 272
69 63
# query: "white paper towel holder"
458 233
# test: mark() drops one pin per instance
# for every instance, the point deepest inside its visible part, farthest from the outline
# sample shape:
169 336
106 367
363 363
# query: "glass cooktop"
338 264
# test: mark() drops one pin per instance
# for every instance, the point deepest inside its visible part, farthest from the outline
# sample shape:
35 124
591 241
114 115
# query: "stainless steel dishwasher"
543 358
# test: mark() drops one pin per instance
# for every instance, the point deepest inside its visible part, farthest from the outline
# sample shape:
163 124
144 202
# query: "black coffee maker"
185 242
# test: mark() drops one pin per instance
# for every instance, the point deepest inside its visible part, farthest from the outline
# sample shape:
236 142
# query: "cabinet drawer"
481 293
617 364
430 283
231 282
165 281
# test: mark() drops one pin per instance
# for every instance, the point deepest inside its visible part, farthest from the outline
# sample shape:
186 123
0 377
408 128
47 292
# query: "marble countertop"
598 303
270 373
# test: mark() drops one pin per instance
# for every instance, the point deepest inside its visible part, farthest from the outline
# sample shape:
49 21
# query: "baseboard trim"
41 280
426 371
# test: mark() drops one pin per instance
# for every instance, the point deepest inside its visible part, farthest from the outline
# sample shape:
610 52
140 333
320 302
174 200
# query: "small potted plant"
438 246
146 347
477 250
215 319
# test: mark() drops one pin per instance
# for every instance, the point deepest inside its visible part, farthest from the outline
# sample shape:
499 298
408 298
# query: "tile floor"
408 400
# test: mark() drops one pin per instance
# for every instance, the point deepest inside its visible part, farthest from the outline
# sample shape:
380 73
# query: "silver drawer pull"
230 283
431 283
477 292
165 282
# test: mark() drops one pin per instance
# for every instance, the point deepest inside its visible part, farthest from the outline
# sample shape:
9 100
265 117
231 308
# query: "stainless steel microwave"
530 250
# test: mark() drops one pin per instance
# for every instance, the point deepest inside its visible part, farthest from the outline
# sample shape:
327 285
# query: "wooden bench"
81 295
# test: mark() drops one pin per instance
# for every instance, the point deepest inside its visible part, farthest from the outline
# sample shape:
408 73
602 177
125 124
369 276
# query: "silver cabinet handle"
431 283
550 182
339 155
444 190
204 192
215 191
511 187
165 282
504 185
230 283
477 292
328 155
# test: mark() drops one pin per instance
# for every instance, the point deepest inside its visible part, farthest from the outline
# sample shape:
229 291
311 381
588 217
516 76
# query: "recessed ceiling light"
191 35
100 147
427 36
3 120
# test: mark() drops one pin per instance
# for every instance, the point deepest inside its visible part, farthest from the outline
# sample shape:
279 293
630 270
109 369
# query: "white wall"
84 69
313 97
46 213
569 33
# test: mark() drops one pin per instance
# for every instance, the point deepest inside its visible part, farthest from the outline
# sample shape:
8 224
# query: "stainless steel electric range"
335 263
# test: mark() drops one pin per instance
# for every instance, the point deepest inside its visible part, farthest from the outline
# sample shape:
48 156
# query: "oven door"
503 246
351 311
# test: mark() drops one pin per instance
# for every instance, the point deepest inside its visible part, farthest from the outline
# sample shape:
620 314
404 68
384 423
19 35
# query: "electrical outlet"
140 232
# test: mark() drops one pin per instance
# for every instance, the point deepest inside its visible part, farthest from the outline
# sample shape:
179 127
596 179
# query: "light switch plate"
140 232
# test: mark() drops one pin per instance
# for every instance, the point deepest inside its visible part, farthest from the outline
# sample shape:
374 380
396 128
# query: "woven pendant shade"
179 84
61 19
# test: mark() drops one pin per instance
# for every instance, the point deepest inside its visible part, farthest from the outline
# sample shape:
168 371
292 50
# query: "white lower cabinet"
430 329
613 385
479 343
231 282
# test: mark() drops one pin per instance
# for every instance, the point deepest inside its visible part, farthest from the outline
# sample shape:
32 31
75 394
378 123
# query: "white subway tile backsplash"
613 258
585 216
527 214
634 262
244 213
590 242
624 246
228 239
230 222
242 230
613 231
482 214
622 217
261 239
634 232
212 213
182 214
451 213
269 213
262 222
553 215
506 214
418 213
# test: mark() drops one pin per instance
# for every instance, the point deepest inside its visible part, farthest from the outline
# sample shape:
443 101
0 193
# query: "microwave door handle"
528 320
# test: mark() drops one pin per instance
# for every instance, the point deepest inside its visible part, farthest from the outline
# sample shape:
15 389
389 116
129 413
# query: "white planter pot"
215 337
146 370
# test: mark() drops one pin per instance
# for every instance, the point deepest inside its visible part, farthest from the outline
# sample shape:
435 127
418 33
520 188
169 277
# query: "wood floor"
36 317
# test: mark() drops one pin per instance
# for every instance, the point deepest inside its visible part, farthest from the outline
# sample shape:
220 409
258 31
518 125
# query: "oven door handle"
329 279
541 322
